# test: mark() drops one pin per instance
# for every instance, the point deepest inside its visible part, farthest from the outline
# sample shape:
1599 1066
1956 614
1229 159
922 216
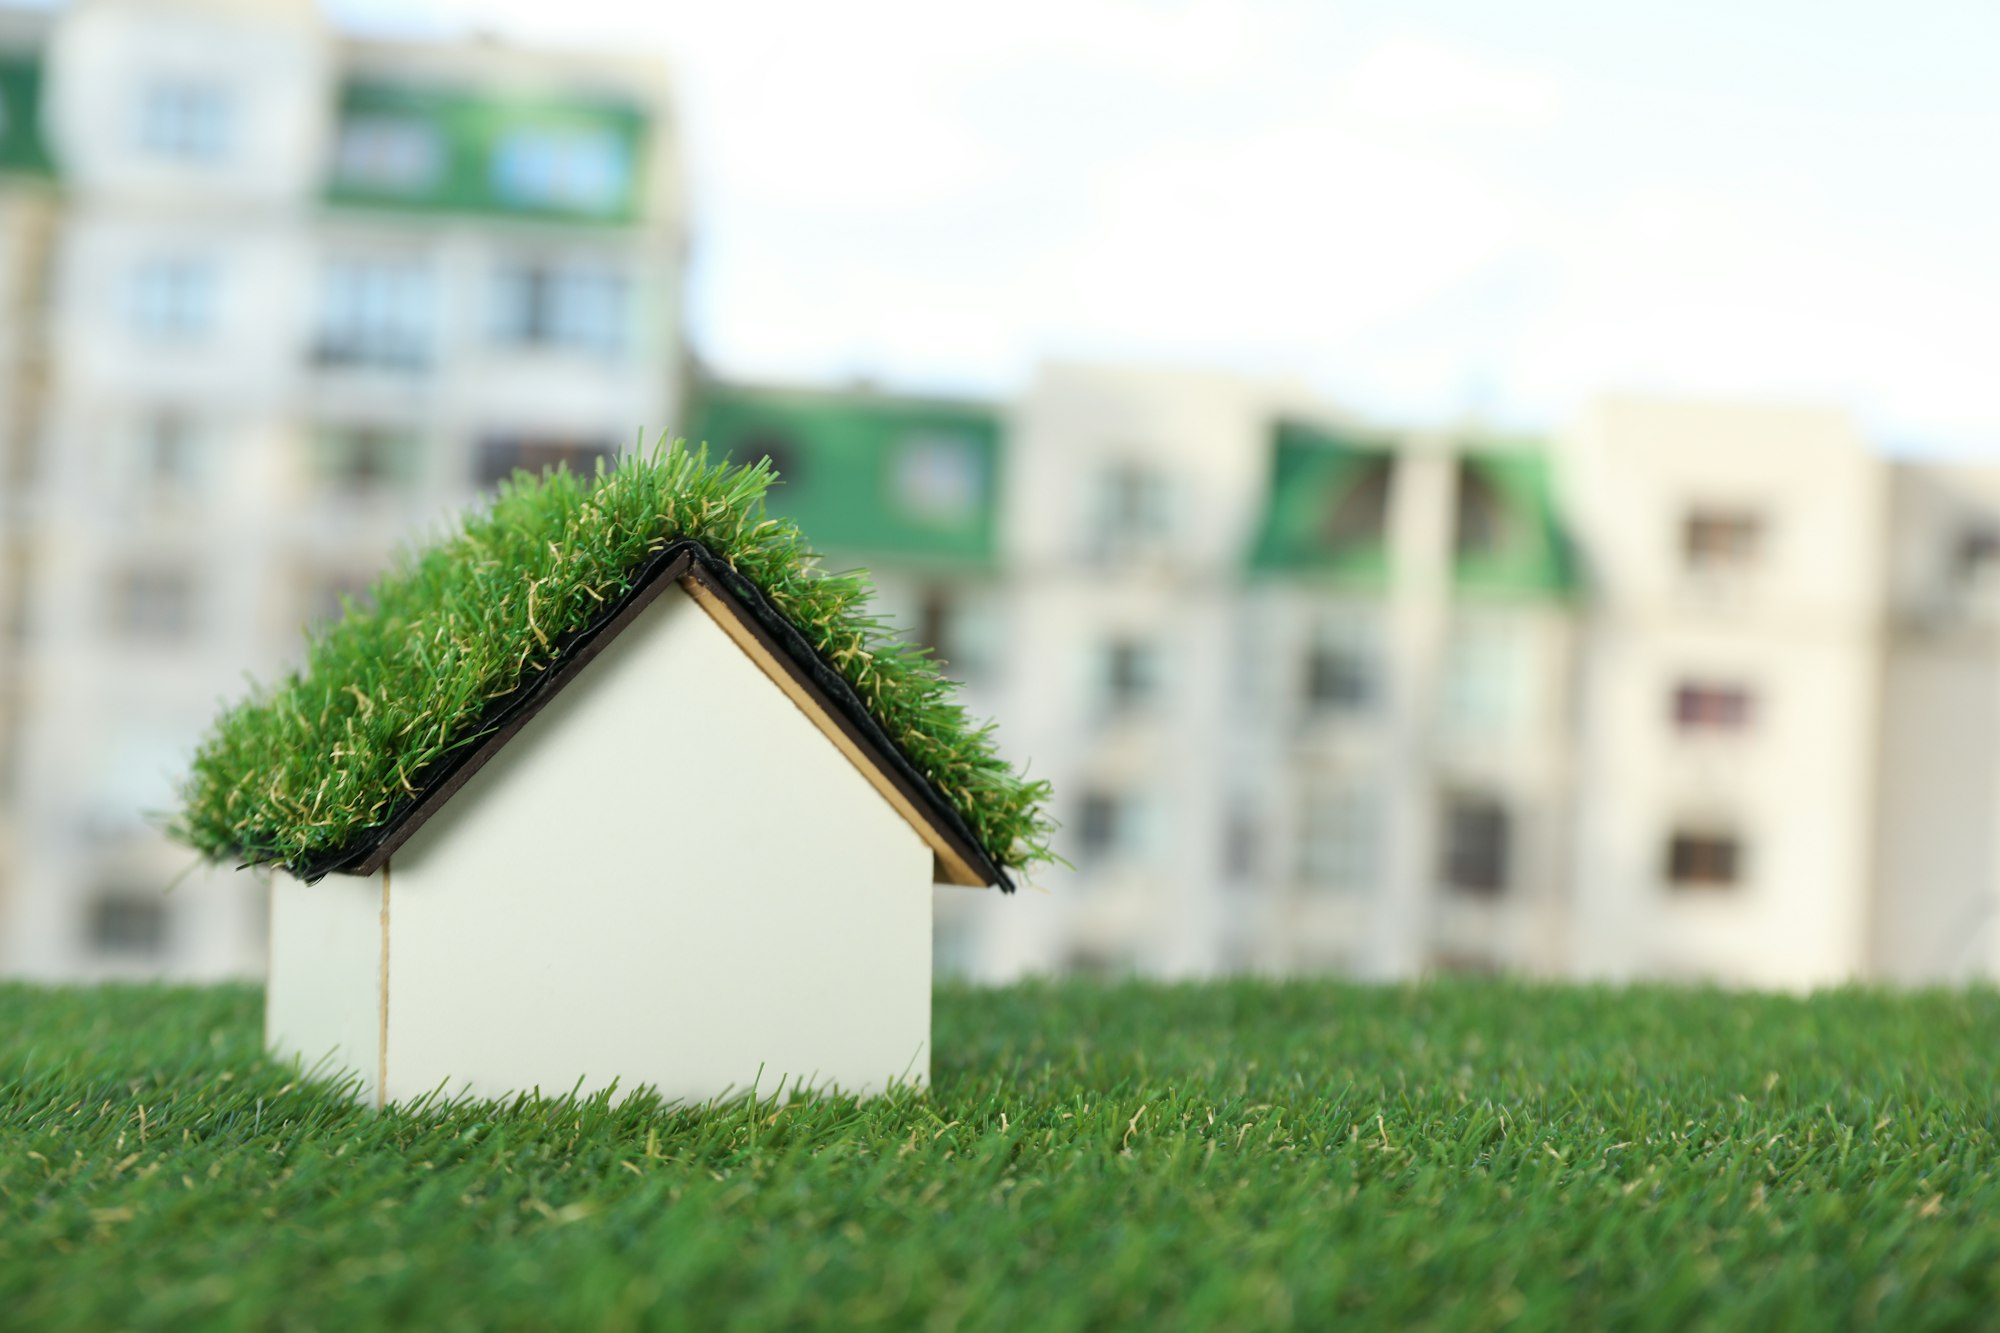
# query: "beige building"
1731 693
1791 685
294 296
1935 911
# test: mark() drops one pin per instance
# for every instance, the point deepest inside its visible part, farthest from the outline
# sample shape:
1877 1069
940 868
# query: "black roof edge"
665 567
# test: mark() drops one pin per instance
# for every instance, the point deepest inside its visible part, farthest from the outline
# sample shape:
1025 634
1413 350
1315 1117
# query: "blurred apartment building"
273 299
1692 692
1686 692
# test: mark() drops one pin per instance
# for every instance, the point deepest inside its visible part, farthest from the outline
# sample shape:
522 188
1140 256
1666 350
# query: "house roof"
777 647
493 153
1530 556
1325 516
1325 509
403 697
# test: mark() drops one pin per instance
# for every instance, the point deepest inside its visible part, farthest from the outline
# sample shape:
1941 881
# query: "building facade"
1301 685
1731 693
1681 694
292 297
1934 915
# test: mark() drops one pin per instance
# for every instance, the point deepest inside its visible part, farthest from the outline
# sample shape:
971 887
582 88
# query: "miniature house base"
671 877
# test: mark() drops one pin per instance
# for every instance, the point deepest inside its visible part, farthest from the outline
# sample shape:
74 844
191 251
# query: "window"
1336 679
1706 706
173 298
127 921
1129 674
168 454
1476 836
1483 521
374 312
1463 963
937 479
936 611
1097 960
1703 859
961 631
1358 517
360 461
1339 826
1717 541
1134 511
1114 826
786 458
187 120
390 153
498 459
1099 827
1241 841
581 170
154 601
1976 558
1340 666
581 307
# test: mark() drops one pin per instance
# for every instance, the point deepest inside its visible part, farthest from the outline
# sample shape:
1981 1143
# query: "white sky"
1427 209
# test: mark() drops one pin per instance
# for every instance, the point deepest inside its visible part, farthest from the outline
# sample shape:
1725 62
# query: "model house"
684 853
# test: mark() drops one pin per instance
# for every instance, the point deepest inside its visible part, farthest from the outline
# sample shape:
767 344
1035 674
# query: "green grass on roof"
1309 1155
308 765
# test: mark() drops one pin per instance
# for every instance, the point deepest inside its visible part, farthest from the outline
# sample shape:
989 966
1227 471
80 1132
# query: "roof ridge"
507 716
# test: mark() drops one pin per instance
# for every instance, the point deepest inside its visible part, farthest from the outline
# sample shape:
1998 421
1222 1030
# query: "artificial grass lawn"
308 766
1453 1155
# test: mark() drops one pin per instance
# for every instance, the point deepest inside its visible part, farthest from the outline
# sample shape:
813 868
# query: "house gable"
583 908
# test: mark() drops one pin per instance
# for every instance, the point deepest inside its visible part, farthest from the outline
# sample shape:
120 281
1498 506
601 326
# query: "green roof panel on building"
1325 507
1531 556
23 148
1325 516
578 159
868 475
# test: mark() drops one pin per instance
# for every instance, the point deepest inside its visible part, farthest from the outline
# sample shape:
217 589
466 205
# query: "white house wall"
323 1006
670 877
